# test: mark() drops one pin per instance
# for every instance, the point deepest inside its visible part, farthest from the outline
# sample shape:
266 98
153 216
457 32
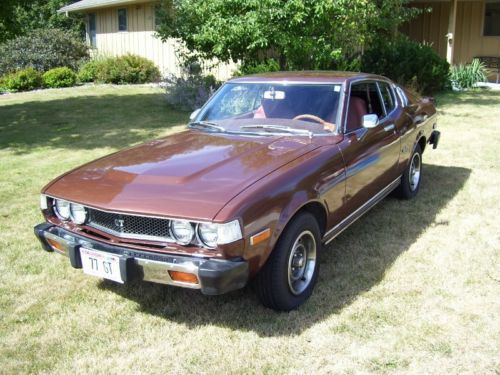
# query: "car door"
370 155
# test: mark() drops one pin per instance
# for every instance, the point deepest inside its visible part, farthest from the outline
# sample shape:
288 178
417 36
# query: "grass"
412 287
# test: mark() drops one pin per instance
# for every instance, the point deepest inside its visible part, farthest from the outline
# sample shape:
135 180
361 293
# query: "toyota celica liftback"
270 170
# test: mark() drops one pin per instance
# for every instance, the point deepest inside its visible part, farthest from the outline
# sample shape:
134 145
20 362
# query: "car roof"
316 76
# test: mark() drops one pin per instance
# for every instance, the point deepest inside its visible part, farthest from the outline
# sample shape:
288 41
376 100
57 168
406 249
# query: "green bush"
408 63
123 69
88 71
261 67
42 50
22 80
59 77
468 75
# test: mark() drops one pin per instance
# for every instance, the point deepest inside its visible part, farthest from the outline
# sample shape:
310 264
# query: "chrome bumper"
214 276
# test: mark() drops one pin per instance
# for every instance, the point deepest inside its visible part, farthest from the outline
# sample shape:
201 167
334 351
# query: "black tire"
410 182
287 279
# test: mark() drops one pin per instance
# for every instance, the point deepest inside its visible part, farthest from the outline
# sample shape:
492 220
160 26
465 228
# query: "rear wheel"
289 275
410 180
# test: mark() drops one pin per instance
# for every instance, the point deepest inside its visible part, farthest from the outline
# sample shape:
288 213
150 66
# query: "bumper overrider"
211 276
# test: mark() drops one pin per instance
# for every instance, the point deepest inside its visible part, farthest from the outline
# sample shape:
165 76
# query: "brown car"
272 168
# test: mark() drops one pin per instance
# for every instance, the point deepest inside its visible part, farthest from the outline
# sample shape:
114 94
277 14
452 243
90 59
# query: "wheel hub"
302 262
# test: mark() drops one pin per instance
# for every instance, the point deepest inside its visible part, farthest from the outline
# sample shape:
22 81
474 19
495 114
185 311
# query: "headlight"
208 234
182 231
213 234
228 232
78 213
43 202
62 209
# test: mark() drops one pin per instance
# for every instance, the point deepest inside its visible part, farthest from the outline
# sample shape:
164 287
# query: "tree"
299 34
19 17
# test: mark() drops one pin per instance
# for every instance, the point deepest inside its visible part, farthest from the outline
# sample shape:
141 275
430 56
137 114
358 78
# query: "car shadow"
352 264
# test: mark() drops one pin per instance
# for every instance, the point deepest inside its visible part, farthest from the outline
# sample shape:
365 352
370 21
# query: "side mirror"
193 115
370 121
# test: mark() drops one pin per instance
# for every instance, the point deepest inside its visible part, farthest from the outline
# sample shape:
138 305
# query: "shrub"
59 77
87 72
191 91
261 67
408 63
468 75
42 50
123 69
22 80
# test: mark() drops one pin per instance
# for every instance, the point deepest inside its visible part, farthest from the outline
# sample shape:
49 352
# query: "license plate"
101 264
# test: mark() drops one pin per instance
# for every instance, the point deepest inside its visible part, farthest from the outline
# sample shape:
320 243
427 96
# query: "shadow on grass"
481 97
86 122
352 264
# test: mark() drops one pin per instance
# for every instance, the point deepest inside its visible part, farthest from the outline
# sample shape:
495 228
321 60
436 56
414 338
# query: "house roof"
84 5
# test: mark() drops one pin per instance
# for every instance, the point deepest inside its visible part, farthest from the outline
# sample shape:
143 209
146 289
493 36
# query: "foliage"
468 75
190 91
408 63
298 34
122 69
20 17
88 71
251 67
59 77
22 80
42 49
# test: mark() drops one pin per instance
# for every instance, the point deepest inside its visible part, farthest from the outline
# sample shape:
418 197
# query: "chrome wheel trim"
302 262
415 170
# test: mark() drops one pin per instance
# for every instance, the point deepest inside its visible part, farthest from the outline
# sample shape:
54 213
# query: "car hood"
188 175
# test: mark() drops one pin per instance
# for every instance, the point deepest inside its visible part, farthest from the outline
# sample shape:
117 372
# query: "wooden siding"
140 39
432 27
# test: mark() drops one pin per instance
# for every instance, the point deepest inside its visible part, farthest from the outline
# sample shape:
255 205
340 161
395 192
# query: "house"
118 27
458 30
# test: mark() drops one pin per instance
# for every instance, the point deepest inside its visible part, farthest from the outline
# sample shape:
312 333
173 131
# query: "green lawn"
412 287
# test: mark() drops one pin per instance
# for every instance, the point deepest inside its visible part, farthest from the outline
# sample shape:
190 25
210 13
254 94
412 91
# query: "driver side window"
364 99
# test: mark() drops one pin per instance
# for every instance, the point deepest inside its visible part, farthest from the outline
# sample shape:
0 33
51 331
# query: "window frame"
367 81
483 25
92 40
126 19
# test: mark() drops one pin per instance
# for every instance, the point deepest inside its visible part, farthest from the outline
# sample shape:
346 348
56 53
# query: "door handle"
389 128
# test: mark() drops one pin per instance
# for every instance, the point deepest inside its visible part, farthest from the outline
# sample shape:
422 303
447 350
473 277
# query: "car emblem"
119 223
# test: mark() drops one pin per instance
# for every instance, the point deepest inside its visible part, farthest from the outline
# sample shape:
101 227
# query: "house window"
158 14
492 18
92 29
122 19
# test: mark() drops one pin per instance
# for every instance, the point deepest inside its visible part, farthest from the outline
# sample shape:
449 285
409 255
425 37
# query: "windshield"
298 109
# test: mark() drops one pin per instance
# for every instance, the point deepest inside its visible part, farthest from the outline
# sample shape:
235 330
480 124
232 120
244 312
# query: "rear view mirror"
370 121
193 115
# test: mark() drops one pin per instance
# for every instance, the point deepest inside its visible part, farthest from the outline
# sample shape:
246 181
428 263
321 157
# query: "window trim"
89 34
126 19
483 20
361 81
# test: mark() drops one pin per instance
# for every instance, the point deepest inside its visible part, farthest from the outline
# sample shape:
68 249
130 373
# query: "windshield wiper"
206 125
279 128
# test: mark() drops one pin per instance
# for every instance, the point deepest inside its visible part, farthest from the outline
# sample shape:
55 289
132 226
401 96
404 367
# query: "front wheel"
289 275
410 180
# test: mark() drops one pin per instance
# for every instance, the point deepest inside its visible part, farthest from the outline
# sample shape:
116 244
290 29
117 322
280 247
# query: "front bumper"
214 276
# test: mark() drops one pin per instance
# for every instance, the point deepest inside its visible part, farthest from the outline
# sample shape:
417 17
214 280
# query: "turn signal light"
57 245
183 277
261 236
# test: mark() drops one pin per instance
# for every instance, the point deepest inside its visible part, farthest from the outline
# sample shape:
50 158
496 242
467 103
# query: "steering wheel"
326 125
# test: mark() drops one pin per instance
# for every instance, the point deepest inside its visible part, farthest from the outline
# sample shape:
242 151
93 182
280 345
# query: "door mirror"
193 115
370 121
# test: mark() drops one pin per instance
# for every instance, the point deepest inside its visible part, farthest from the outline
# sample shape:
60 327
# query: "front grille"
129 226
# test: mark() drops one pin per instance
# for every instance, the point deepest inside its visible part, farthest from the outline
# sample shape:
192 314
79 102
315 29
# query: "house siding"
140 39
431 27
